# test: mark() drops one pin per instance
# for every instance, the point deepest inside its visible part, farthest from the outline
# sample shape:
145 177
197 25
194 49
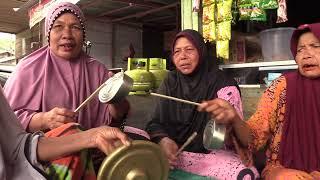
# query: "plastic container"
275 44
271 76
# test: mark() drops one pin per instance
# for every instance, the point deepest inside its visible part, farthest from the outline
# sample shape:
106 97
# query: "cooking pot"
214 135
116 88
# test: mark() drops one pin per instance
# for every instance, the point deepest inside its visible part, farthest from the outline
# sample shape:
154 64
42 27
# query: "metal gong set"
143 160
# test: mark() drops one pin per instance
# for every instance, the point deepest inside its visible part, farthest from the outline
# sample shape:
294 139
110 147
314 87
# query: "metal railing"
8 68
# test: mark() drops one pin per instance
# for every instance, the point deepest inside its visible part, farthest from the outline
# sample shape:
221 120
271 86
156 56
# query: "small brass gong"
142 160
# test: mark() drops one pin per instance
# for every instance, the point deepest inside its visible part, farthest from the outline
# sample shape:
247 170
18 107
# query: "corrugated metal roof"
153 13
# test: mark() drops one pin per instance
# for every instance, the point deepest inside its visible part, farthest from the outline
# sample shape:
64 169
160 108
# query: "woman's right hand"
107 138
57 117
104 138
220 110
170 148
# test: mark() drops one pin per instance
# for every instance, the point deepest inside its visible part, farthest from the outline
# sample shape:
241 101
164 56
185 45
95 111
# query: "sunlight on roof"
7 36
7 48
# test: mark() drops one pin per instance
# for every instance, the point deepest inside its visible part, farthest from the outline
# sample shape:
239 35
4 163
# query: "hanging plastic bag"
245 12
206 32
209 31
244 2
224 10
234 12
222 48
223 31
258 14
207 2
196 6
269 4
257 3
282 11
208 14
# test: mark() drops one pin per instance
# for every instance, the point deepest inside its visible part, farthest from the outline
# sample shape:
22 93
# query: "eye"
76 27
57 27
315 45
176 51
300 49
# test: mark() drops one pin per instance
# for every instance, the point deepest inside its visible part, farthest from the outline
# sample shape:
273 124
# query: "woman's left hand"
220 110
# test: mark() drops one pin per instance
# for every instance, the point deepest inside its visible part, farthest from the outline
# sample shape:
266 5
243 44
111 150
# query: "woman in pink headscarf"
49 84
287 119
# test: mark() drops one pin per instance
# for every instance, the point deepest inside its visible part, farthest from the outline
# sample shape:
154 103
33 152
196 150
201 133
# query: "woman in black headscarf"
196 79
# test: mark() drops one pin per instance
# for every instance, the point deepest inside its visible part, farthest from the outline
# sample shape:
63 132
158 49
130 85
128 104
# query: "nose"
66 32
183 54
307 53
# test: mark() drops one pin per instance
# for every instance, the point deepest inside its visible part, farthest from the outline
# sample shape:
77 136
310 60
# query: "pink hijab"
43 81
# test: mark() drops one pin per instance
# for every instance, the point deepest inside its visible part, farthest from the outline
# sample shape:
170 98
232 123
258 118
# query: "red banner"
39 11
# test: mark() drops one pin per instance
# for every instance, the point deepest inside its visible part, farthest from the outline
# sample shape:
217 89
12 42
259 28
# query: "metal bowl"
214 135
116 88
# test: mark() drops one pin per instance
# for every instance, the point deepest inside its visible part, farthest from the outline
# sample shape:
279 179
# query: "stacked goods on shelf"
216 22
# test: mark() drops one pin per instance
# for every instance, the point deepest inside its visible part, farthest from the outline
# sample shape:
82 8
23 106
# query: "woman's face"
308 55
185 56
66 36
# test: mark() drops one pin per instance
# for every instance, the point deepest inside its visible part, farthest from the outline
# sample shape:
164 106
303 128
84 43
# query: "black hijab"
178 120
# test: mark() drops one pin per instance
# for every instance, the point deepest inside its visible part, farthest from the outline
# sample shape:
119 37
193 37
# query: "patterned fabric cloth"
177 174
73 167
232 95
266 124
59 9
218 164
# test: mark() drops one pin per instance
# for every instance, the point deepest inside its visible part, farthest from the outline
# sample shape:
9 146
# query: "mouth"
185 66
309 67
67 46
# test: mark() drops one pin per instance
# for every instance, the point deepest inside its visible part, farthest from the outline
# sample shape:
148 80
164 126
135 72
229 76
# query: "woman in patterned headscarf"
287 120
49 84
